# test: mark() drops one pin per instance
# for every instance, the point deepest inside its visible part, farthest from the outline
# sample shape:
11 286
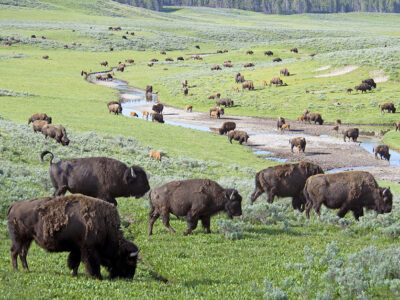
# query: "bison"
56 132
226 127
285 126
248 65
145 114
185 91
388 106
133 114
189 108
169 59
157 117
155 155
277 59
284 72
397 126
214 96
248 85
352 190
363 87
250 52
39 116
285 180
218 110
228 65
158 108
351 133
38 125
163 52
238 135
349 90
104 63
180 58
227 102
280 121
370 82
194 198
45 57
216 67
383 151
129 60
299 142
115 108
239 78
100 177
87 228
184 83
276 81
150 64
294 50
269 53
316 118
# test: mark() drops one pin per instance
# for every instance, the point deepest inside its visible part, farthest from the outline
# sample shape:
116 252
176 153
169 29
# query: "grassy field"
271 252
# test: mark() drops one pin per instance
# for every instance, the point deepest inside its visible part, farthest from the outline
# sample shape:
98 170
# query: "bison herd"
42 123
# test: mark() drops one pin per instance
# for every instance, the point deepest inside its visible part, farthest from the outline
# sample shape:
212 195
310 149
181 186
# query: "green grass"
199 266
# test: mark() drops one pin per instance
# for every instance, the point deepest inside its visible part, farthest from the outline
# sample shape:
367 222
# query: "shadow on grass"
170 9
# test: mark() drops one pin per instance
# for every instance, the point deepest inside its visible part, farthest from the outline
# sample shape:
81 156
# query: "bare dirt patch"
322 68
339 71
379 76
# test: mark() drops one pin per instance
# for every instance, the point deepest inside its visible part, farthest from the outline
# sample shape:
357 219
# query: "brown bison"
157 117
163 52
104 63
226 127
352 190
189 108
250 52
133 114
158 108
197 47
351 133
115 108
248 85
349 90
149 64
383 151
169 59
363 87
280 121
216 67
185 91
227 102
285 126
216 111
145 114
38 125
284 72
87 228
248 65
276 81
285 180
194 198
219 51
397 126
294 50
56 132
263 82
299 142
214 96
370 82
277 59
338 122
45 57
39 116
228 65
239 78
316 118
155 155
269 53
154 60
184 83
129 60
180 58
98 177
238 135
388 106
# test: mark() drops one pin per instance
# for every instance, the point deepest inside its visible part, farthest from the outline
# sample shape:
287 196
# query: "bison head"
136 179
387 200
233 205
64 141
124 263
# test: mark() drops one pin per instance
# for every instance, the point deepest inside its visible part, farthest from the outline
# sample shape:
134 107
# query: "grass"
268 238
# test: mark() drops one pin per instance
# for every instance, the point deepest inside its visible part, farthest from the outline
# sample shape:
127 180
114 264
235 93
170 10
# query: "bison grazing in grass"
316 118
388 106
239 78
370 82
284 72
216 111
285 180
150 64
56 132
158 108
197 47
349 90
269 53
157 117
226 127
250 52
155 155
184 83
185 91
45 57
294 50
228 65
277 59
248 85
227 102
98 177
248 65
180 58
38 125
87 228
383 152
351 133
299 142
346 191
104 63
129 60
363 87
115 108
169 59
39 116
214 96
197 199
238 135
216 67
276 81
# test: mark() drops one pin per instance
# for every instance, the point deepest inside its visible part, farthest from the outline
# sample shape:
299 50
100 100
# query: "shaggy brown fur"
248 85
228 65
348 91
104 63
249 52
157 117
397 126
149 64
363 87
214 96
216 67
227 102
56 132
269 53
316 118
238 135
115 108
277 59
184 83
383 151
129 60
158 108
294 50
351 133
39 116
284 72
285 126
185 91
133 114
388 106
145 114
38 125
248 65
299 142
279 122
226 127
45 57
276 81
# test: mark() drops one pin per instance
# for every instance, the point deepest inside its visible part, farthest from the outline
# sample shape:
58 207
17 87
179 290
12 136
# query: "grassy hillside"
240 259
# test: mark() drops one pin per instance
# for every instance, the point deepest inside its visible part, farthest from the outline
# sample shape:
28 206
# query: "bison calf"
197 199
298 142
155 155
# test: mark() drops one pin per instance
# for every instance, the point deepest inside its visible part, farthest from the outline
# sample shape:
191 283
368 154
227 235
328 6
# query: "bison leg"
343 211
205 221
298 203
308 208
191 222
271 196
358 213
60 191
153 216
91 261
20 249
165 220
256 193
73 261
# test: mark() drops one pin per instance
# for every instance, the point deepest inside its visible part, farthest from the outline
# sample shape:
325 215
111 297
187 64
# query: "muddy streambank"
324 146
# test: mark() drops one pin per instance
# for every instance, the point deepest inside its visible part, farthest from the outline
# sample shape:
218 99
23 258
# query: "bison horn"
232 196
133 254
133 173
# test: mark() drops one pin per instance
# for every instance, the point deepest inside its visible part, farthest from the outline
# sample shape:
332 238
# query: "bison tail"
44 153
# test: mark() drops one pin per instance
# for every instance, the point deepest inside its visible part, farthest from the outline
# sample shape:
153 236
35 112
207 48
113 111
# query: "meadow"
270 252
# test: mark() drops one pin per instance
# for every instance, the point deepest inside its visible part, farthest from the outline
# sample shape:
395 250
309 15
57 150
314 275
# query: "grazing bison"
370 82
45 57
236 89
184 83
349 90
250 52
228 65
180 58
299 142
336 128
219 51
154 60
397 126
56 132
185 91
149 64
248 65
129 60
155 155
149 89
87 228
351 133
294 50
304 118
338 122
194 198
197 47
269 53
215 113
38 125
98 177
124 37
238 135
132 33
352 190
284 72
158 108
285 180
280 122
248 85
263 82
363 87
39 116
214 96
276 81
169 59
383 151
388 106
104 63
216 67
227 102
239 78
163 52
157 117
226 127
277 59
189 108
115 108
316 118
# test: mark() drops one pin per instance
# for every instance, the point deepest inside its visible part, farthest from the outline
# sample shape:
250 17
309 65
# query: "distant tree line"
280 6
